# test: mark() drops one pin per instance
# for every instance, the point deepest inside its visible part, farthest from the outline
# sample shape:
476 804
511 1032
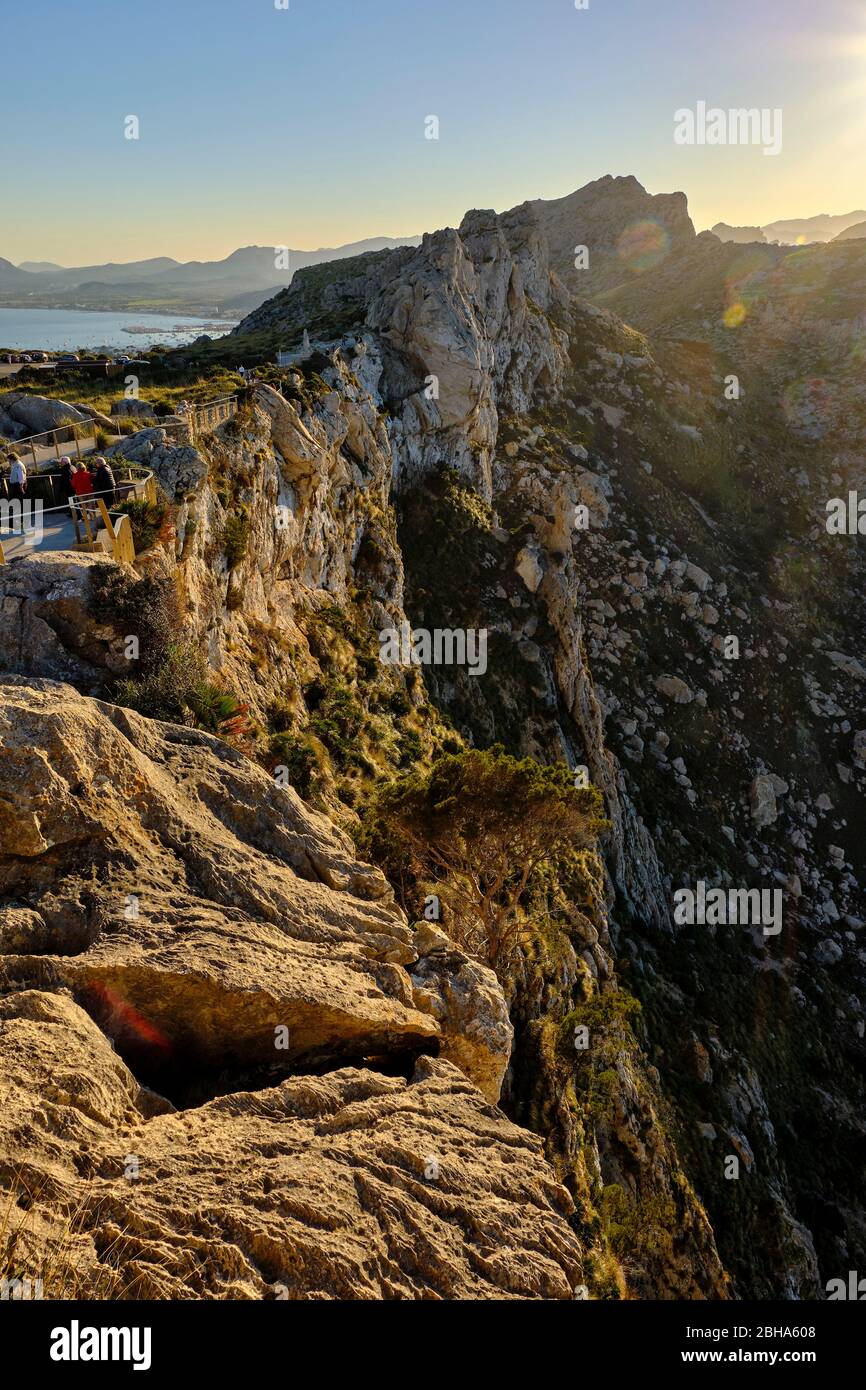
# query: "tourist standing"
82 486
66 489
17 480
103 482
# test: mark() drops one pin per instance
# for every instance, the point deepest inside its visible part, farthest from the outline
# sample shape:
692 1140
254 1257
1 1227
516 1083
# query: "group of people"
80 483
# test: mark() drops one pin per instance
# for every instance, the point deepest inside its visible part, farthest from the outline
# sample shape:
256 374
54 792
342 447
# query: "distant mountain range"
239 284
797 230
233 286
855 233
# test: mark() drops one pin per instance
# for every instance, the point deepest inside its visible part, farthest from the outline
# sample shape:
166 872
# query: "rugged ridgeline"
436 462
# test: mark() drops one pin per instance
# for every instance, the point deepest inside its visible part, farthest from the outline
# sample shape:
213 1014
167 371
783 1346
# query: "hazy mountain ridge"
793 231
161 282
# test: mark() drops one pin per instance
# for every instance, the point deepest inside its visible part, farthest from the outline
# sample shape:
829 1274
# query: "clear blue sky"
306 127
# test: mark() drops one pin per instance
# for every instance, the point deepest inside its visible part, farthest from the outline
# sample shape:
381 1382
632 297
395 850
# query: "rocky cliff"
471 446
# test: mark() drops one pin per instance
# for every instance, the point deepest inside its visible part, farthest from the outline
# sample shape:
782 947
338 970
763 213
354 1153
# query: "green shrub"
166 692
180 691
212 706
399 702
235 537
298 756
411 748
338 722
488 830
146 519
145 608
281 716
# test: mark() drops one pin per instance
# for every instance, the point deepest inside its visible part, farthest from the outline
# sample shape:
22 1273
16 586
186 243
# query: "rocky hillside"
194 963
471 446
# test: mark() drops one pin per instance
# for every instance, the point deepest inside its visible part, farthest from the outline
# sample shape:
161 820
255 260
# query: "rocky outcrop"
625 231
463 327
352 1185
214 921
23 414
47 626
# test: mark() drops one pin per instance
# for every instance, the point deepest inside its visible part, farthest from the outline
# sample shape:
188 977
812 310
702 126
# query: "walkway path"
57 528
58 533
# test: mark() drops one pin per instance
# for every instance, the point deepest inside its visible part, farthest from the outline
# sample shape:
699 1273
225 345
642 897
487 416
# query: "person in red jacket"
82 486
82 480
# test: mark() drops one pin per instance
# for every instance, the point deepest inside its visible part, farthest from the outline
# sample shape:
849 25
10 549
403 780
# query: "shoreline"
91 309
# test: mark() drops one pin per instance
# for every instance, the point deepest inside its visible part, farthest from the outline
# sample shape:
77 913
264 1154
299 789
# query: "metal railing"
67 438
86 511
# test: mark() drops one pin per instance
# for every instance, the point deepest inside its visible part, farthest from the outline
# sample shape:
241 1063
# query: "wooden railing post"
106 519
86 520
124 547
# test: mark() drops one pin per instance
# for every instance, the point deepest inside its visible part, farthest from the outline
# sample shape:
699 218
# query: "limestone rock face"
609 651
352 1185
607 217
462 327
466 1001
46 627
213 920
209 1005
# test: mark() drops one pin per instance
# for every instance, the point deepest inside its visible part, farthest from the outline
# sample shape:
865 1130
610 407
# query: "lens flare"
125 1020
735 315
643 245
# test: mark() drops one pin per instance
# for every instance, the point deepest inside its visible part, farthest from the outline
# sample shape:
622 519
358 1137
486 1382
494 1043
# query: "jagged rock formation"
474 446
212 902
350 1185
586 654
224 938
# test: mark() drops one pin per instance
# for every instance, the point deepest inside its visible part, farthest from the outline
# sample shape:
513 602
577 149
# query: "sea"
56 330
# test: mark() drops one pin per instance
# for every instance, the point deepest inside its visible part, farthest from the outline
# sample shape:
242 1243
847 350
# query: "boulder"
38 413
762 799
674 689
133 407
528 566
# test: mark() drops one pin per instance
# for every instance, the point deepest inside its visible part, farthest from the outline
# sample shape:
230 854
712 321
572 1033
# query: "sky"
305 126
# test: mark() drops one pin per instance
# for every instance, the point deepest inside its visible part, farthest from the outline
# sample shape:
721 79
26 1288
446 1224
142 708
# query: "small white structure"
288 359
